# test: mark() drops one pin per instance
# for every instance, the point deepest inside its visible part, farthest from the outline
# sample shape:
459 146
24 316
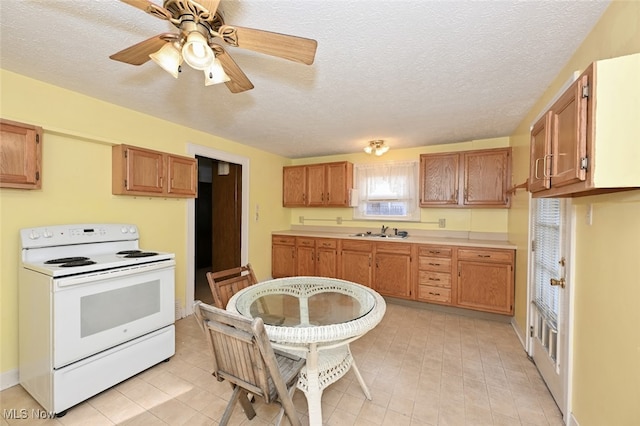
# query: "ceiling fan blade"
150 8
138 54
239 81
285 46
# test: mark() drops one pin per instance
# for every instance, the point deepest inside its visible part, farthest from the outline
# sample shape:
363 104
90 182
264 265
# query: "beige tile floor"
423 367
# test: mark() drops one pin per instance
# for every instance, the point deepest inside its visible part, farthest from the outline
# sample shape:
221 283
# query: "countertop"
449 238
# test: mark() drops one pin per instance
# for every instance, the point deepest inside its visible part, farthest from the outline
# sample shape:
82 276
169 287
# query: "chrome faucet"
384 229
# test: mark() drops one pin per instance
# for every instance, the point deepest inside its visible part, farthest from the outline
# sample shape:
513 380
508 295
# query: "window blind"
546 237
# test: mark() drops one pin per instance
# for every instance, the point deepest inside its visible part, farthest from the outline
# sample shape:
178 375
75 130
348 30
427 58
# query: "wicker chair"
243 356
224 284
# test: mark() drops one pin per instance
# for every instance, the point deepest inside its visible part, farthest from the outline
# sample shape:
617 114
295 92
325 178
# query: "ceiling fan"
199 43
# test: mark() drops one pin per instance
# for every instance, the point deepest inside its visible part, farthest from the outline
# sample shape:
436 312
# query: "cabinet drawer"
437 279
324 243
355 245
434 264
434 251
305 242
435 294
395 248
486 255
280 239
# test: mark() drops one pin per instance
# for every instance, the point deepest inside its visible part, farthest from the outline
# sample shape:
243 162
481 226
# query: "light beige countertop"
449 238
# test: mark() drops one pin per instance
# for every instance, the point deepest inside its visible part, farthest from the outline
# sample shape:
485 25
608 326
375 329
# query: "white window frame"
400 181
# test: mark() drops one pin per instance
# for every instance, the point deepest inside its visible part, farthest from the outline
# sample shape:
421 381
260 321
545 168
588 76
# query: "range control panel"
59 235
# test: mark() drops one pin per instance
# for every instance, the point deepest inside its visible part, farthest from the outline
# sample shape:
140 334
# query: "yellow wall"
477 220
76 184
606 377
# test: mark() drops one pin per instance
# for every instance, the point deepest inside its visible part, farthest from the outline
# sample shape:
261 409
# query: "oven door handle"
113 273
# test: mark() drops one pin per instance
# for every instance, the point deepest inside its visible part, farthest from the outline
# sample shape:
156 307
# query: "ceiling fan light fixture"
196 51
376 147
215 74
168 58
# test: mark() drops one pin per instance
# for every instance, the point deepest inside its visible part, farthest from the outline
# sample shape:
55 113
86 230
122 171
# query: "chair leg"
238 395
292 415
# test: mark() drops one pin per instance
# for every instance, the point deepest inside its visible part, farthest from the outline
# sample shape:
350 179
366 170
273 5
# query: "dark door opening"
218 221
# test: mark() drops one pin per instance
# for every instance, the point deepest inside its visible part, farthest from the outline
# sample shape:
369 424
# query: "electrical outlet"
442 223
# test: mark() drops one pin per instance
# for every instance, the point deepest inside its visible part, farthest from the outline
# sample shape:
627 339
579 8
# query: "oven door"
95 312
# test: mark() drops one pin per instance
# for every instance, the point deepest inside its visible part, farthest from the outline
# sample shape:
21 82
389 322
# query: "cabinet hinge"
585 91
37 138
125 153
125 183
37 175
533 245
584 163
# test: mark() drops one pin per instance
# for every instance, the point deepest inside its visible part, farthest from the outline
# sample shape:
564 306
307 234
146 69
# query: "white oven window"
109 309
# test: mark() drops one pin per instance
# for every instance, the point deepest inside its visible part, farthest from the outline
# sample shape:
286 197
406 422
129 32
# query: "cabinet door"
326 265
293 186
20 155
485 286
392 275
487 177
439 179
182 175
540 160
339 180
356 267
283 261
316 185
569 136
306 261
144 171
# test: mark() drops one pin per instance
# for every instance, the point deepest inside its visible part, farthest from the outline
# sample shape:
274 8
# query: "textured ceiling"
412 72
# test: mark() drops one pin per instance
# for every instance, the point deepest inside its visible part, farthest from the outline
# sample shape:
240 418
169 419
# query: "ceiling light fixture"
376 147
195 51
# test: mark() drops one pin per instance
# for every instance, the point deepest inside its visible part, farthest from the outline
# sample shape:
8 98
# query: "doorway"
217 220
550 293
216 236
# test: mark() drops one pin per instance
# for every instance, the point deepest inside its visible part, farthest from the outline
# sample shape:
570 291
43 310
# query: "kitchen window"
387 191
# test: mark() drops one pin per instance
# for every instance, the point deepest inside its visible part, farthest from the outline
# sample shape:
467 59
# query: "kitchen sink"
372 235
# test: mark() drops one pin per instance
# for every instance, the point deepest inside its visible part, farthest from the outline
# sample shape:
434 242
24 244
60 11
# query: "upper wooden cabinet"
317 185
140 171
597 114
20 155
477 178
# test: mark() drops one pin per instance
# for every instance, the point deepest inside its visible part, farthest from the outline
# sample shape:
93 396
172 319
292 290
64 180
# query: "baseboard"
449 309
517 329
572 421
9 379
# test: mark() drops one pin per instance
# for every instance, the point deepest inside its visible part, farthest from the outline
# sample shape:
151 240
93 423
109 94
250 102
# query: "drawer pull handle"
434 294
484 255
434 251
434 279
434 264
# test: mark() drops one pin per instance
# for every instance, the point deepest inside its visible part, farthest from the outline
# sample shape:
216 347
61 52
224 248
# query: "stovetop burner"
81 262
142 254
123 252
66 260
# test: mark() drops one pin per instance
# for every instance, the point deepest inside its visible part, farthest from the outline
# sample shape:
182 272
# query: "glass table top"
305 305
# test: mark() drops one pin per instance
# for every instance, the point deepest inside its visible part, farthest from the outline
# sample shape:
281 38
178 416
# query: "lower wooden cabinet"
485 280
356 259
283 256
392 272
475 278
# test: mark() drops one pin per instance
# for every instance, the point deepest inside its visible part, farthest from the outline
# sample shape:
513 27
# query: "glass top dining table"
316 318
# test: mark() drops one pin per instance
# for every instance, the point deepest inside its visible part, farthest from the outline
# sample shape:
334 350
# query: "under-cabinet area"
470 274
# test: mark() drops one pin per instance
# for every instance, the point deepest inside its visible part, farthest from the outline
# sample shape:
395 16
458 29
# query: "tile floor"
423 367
